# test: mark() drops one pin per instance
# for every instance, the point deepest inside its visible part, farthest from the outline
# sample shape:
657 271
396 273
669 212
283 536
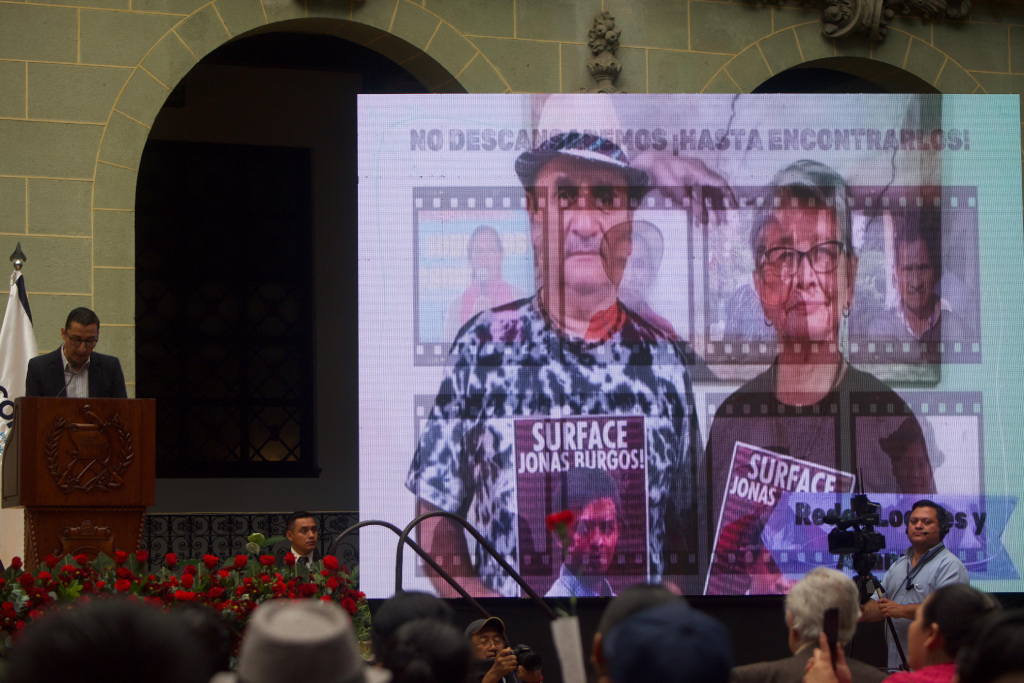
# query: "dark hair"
585 485
401 609
996 648
82 316
956 609
104 640
632 600
428 651
925 225
211 635
298 514
945 522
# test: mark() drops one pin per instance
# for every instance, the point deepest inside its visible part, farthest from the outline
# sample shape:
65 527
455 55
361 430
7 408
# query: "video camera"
862 543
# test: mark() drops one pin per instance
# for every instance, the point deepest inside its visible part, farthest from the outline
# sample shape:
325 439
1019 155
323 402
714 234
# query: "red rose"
120 557
16 562
223 573
349 605
123 573
141 556
216 592
45 576
331 562
26 580
211 561
241 561
51 561
171 559
100 585
122 585
325 598
187 581
268 560
289 559
307 590
240 590
191 569
82 559
185 596
333 583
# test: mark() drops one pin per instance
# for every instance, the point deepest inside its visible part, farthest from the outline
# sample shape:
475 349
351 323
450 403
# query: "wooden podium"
84 470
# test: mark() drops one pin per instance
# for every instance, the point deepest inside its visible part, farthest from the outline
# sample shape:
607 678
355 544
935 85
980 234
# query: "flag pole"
17 347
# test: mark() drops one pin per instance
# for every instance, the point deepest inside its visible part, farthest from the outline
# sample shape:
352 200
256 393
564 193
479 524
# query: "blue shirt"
569 584
941 568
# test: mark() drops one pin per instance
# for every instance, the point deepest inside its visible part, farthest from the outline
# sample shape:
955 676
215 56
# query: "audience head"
806 603
943 623
105 640
632 600
305 639
996 651
428 651
669 642
210 631
404 607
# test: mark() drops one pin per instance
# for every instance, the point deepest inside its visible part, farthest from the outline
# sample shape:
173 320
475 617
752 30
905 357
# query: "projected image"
696 336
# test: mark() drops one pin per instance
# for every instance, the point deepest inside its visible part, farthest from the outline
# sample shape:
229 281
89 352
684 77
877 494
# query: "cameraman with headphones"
926 566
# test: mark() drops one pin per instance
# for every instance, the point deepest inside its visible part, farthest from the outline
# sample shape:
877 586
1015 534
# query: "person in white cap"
571 350
308 639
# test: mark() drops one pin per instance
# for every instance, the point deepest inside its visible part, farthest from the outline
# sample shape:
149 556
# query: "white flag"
17 346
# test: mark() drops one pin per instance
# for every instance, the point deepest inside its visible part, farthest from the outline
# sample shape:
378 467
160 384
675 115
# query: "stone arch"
182 47
426 45
803 43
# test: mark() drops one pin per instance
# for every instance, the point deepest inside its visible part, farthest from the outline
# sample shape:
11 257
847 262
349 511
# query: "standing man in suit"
74 370
301 532
806 603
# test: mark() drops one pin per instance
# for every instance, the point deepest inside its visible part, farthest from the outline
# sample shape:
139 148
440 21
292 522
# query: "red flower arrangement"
235 590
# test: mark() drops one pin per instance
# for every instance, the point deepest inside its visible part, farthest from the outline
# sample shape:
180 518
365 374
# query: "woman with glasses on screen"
805 269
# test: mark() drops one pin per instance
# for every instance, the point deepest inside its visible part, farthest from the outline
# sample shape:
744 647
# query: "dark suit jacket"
46 376
791 670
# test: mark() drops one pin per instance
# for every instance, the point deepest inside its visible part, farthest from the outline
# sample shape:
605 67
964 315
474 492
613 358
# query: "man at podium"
74 370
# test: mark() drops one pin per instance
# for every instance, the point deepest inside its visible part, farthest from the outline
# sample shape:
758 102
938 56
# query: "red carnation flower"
331 562
17 564
289 559
333 583
241 561
51 561
187 581
26 580
120 557
349 605
185 596
82 559
211 561
122 585
268 560
216 592
223 574
171 559
307 590
141 556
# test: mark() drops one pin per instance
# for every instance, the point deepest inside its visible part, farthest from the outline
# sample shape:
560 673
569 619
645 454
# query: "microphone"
74 373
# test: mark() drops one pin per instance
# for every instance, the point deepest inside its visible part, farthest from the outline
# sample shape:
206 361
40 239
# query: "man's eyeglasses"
785 261
78 341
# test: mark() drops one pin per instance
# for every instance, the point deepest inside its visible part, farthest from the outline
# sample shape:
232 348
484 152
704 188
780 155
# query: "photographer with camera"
509 665
924 568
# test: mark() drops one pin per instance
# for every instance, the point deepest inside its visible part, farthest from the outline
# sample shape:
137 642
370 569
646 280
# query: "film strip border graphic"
540 564
495 206
756 344
983 556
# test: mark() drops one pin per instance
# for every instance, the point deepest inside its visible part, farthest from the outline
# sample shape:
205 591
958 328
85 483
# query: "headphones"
945 519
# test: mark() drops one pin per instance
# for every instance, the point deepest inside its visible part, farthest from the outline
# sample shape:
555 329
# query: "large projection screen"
700 322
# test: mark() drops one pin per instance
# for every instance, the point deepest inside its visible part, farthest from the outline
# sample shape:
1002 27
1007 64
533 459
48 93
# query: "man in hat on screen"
571 350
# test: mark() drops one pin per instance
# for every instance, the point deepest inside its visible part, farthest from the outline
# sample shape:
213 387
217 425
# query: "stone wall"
81 84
